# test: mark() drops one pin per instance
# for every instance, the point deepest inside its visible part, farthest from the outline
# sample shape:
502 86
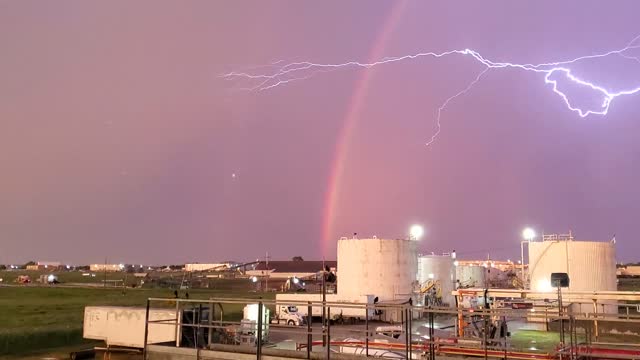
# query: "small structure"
106 267
290 269
125 326
45 265
222 266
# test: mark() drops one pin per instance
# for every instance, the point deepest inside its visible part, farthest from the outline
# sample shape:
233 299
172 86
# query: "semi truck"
287 314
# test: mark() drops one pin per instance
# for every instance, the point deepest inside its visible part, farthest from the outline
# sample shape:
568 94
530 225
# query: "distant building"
45 265
289 269
106 267
208 267
629 270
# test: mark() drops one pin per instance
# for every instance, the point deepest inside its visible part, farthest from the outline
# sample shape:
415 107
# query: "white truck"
288 314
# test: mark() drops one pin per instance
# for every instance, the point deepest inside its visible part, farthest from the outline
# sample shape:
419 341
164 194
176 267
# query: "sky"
121 141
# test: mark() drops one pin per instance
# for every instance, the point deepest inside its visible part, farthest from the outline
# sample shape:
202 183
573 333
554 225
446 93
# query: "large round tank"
591 265
441 269
382 267
471 276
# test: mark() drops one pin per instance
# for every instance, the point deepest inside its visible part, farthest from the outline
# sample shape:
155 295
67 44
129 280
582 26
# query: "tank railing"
557 237
408 341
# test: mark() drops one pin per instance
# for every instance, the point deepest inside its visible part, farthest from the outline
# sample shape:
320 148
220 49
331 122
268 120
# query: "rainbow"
350 119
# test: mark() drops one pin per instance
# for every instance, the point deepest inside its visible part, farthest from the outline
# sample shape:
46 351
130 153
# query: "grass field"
36 318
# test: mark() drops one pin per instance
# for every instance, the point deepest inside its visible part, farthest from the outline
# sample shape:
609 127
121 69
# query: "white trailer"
347 308
124 326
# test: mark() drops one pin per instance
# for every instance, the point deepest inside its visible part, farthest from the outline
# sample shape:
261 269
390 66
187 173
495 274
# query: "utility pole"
522 264
324 302
266 279
105 272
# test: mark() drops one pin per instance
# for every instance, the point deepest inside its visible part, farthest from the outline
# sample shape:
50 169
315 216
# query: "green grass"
527 340
37 318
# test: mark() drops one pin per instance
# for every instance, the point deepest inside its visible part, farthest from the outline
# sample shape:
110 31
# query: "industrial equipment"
432 292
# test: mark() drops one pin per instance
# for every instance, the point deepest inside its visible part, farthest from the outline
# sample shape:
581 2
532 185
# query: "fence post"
178 323
485 330
146 330
259 340
596 333
406 329
328 332
309 337
410 331
366 329
432 345
199 328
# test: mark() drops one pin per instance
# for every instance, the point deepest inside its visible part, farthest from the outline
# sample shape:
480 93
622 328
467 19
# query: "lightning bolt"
298 71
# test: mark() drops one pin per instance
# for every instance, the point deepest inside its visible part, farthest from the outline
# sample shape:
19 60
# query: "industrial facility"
421 304
391 271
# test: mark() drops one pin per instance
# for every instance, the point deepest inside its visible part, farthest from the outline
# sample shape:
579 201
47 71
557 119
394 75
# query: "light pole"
528 234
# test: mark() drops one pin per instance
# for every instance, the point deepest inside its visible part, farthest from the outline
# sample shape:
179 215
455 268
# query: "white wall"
381 267
591 266
443 270
124 326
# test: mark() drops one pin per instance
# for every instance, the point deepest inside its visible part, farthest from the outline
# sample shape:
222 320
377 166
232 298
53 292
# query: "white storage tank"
471 276
385 268
438 268
591 266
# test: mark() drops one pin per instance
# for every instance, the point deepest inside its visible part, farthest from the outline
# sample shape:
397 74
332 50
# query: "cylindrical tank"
438 268
385 268
591 266
471 276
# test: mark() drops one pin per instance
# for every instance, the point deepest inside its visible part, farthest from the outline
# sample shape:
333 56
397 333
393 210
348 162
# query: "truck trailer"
337 308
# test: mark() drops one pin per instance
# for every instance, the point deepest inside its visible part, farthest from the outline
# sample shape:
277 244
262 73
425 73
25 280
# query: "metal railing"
471 336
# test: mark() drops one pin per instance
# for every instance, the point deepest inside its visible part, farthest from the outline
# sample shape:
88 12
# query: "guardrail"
210 325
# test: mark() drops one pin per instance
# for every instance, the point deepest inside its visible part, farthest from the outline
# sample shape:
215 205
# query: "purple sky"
119 139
